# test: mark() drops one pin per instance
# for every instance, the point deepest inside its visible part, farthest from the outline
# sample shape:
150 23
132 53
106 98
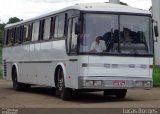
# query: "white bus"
95 46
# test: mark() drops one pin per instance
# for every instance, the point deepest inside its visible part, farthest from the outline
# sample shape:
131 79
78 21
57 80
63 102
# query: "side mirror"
156 31
77 27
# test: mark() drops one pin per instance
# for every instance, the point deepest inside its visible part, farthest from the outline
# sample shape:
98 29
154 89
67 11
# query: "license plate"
119 83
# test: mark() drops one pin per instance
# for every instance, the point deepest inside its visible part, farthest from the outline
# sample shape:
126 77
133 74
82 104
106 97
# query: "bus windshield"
124 34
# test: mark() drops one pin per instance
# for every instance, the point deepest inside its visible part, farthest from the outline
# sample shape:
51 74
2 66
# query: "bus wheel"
121 93
64 92
16 84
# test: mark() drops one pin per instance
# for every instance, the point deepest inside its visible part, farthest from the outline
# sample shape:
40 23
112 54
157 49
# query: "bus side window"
52 29
12 36
35 31
21 35
47 26
30 26
9 37
25 33
17 37
6 37
59 26
41 30
3 41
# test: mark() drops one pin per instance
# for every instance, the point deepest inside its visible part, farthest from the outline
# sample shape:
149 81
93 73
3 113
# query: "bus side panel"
7 66
37 62
37 73
8 75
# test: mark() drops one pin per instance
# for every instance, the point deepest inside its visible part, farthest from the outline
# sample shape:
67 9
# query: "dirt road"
41 97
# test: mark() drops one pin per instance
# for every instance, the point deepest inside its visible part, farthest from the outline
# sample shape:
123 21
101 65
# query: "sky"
25 9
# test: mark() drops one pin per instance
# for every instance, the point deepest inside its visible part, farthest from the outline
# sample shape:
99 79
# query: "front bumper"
114 82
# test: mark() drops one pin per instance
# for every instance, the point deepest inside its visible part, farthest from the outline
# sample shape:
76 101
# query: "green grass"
156 76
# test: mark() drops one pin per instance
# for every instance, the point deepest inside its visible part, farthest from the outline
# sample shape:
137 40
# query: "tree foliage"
1 33
1 37
2 25
13 20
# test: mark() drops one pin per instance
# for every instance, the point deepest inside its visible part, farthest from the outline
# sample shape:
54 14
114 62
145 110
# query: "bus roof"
99 7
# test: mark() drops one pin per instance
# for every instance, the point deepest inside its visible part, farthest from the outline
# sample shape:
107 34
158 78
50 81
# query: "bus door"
72 68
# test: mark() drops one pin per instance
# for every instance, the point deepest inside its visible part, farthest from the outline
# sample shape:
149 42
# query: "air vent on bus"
5 68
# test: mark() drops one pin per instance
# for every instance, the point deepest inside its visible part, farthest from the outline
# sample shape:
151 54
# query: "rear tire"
65 93
17 85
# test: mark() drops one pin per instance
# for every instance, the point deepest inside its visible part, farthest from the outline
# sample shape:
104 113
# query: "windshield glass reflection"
104 33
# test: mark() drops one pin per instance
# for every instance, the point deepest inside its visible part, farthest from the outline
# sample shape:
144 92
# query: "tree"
14 20
1 37
2 25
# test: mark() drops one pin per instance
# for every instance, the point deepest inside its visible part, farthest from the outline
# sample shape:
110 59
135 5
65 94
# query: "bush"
1 74
156 76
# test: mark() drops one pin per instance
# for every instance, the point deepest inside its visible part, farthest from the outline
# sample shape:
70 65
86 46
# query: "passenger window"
17 39
6 37
9 37
41 30
35 31
21 35
30 26
25 33
14 35
59 26
52 29
47 27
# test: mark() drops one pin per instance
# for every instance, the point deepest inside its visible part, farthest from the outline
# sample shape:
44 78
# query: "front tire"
65 93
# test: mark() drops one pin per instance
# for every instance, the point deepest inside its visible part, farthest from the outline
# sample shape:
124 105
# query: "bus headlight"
89 83
97 83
